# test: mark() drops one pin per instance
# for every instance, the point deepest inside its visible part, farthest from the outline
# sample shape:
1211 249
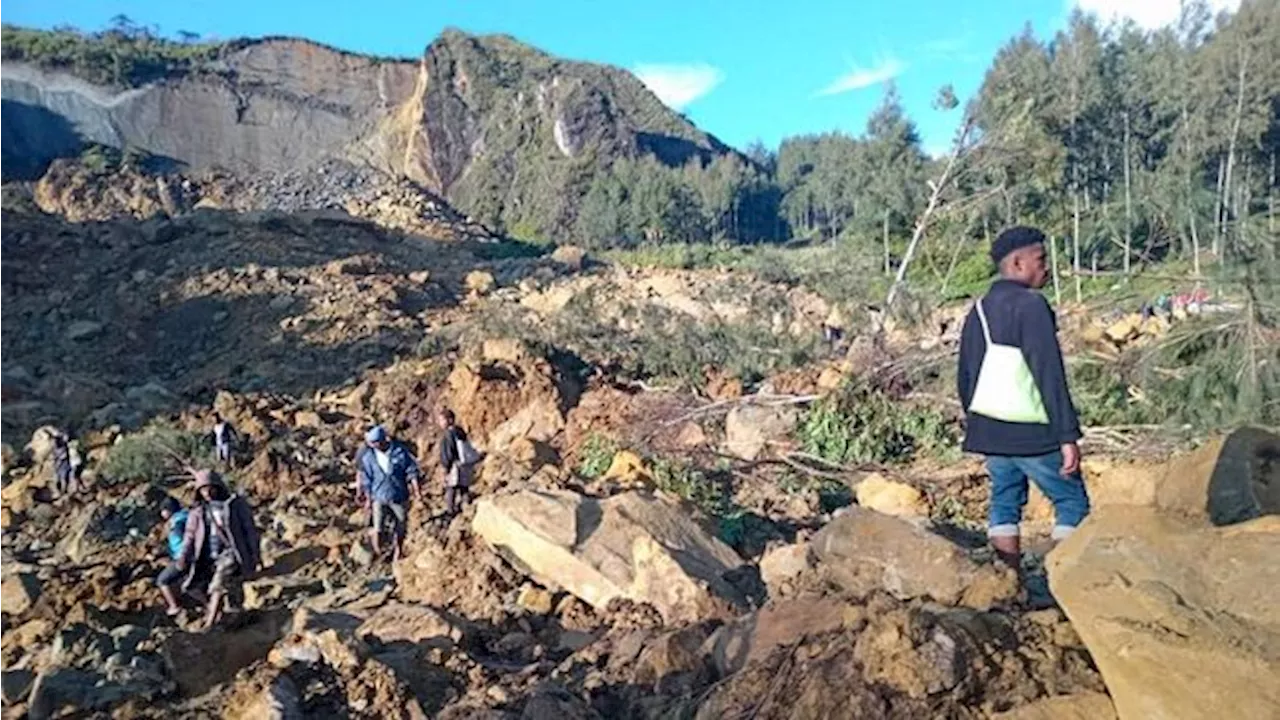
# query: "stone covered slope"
495 126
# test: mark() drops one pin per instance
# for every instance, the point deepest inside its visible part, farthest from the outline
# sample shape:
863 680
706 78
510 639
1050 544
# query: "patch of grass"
862 424
707 492
154 454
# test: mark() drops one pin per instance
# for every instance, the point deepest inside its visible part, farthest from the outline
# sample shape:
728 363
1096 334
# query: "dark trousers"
455 498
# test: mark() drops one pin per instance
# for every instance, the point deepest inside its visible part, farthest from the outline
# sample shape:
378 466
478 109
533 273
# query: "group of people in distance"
214 545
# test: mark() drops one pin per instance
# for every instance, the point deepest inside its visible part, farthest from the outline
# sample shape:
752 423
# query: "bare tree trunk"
1128 199
1053 258
1235 130
1219 219
1075 242
887 268
1271 195
936 188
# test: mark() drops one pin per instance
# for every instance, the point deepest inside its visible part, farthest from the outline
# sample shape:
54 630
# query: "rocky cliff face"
504 131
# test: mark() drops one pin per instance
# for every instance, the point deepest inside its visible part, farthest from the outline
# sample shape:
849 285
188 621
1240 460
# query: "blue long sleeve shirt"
387 486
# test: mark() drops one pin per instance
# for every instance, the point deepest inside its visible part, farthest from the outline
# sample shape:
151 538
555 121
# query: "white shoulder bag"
1006 389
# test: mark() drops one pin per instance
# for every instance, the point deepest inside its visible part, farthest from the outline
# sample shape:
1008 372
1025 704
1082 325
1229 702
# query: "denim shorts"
1009 487
170 574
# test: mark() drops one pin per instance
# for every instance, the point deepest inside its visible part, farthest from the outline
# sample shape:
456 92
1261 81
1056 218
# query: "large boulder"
630 546
863 550
1176 605
751 429
1229 480
1182 621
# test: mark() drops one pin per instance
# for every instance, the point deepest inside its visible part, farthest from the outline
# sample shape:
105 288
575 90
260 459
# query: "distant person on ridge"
1013 387
458 458
220 530
384 472
224 439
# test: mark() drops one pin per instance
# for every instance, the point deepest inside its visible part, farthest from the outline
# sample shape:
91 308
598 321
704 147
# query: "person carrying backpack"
458 458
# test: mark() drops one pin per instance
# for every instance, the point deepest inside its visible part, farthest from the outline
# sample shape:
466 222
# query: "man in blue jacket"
1018 408
385 470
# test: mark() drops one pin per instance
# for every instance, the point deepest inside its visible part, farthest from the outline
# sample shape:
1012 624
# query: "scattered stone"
863 550
307 419
570 256
755 636
535 600
18 592
420 277
361 554
83 329
480 282
269 591
781 565
751 429
876 492
417 624
627 469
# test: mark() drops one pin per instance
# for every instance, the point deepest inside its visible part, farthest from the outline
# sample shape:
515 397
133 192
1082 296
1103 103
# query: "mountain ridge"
510 134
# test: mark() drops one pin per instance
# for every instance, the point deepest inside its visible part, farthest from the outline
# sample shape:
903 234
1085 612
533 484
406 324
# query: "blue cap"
376 434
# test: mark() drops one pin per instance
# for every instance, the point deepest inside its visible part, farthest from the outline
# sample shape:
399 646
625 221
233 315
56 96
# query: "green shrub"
862 424
154 454
127 55
596 455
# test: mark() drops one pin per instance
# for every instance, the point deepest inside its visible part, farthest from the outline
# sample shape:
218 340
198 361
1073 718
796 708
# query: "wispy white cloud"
860 77
678 85
1150 14
946 46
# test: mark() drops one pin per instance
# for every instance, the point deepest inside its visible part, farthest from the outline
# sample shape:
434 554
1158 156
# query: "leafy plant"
862 424
596 455
154 454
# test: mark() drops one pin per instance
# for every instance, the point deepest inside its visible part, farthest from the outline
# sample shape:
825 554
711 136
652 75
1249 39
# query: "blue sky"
741 69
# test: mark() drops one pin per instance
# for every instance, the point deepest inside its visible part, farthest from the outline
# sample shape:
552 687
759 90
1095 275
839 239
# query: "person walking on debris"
1013 387
63 470
224 439
220 529
175 517
458 458
385 470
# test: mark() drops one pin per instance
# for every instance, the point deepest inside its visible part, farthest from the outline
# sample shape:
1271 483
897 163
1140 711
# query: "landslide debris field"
690 505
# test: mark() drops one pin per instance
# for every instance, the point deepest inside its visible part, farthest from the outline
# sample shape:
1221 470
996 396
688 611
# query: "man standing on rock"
385 469
1013 387
220 529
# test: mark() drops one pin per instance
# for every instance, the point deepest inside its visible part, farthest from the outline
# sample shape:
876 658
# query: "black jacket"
1021 317
449 446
